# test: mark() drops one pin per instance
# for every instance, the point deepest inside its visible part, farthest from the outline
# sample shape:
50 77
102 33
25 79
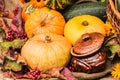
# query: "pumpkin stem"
43 21
85 23
47 39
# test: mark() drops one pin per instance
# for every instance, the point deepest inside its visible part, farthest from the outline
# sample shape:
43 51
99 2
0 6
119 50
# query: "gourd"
45 20
57 4
82 24
97 9
46 51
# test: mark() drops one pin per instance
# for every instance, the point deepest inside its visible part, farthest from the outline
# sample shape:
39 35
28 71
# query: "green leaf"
113 47
112 50
11 64
17 43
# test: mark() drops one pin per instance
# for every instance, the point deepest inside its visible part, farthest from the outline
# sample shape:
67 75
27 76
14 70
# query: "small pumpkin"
28 8
46 51
82 24
45 20
38 3
57 4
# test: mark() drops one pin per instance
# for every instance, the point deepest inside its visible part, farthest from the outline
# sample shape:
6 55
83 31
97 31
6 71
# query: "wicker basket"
114 17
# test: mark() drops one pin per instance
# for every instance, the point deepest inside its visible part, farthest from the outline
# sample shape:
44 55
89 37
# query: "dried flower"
116 71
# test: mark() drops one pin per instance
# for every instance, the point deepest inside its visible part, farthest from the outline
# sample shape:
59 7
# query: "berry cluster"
15 30
11 35
35 74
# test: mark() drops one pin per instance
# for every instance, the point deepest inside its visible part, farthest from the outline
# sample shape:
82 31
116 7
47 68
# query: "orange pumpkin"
45 20
24 1
80 25
38 3
27 10
46 51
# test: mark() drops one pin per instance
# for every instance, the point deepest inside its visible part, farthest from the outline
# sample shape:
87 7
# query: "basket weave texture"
114 17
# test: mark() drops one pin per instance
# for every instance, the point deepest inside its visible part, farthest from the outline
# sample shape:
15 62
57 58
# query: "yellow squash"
80 25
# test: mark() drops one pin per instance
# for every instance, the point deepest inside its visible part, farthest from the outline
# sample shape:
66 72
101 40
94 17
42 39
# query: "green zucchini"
118 5
92 8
